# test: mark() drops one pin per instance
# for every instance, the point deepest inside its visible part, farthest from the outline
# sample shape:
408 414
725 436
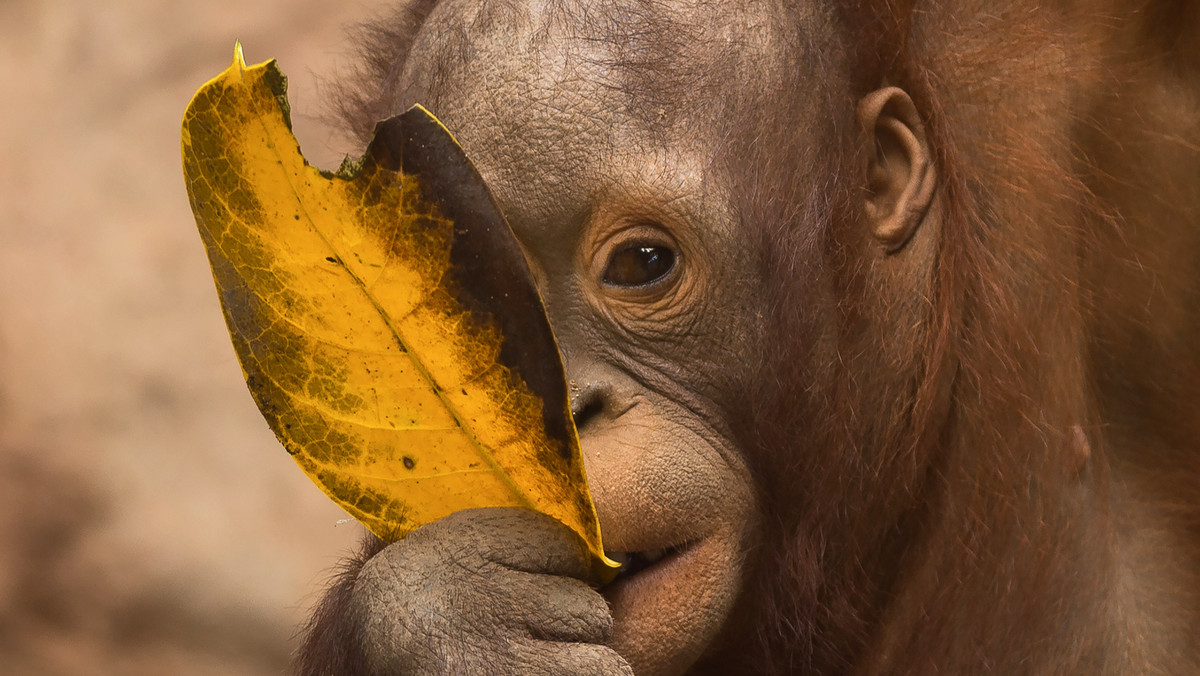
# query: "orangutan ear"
901 176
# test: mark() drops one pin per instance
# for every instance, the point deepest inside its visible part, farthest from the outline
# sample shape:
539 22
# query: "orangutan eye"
638 265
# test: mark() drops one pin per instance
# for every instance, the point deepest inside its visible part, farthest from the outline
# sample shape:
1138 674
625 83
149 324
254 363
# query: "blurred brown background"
149 522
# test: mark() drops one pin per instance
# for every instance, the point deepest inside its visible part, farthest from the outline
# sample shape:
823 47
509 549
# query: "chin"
670 604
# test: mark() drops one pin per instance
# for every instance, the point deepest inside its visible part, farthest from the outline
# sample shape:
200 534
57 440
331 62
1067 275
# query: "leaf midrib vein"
419 363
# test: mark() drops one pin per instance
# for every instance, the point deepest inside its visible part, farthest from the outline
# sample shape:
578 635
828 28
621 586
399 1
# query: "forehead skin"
563 106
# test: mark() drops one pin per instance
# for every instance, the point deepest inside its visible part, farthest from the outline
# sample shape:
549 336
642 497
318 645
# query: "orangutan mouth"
633 563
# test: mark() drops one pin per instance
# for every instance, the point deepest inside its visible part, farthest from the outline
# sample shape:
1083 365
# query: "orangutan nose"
589 402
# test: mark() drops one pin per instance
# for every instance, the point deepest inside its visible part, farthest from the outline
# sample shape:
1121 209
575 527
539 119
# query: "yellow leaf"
384 317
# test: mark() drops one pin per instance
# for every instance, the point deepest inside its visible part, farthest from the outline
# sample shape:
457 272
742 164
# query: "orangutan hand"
484 591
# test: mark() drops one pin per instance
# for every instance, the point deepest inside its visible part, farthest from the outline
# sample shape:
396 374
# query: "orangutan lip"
633 563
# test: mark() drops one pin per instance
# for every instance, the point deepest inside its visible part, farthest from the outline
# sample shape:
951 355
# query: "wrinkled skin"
615 132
